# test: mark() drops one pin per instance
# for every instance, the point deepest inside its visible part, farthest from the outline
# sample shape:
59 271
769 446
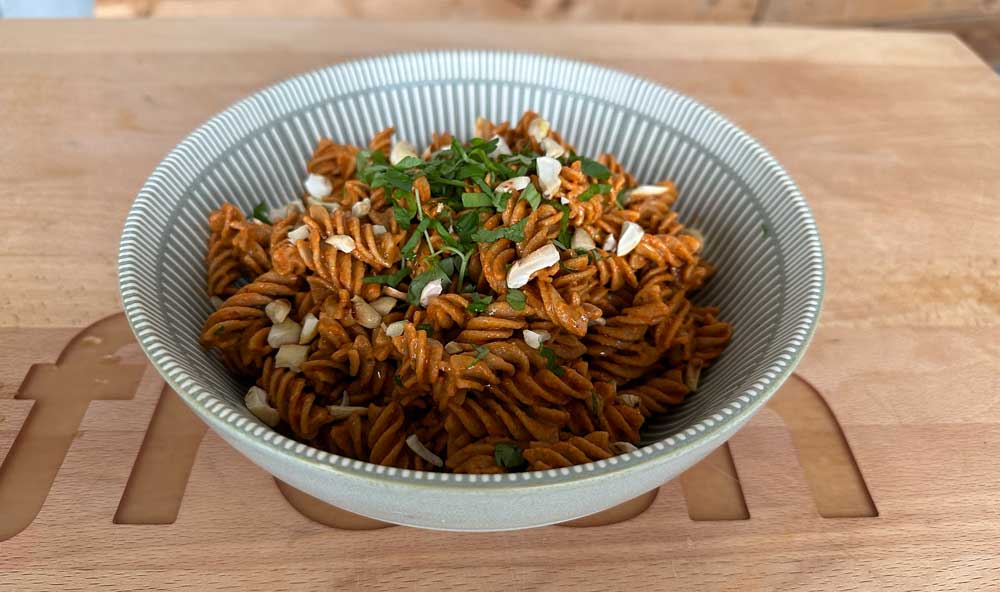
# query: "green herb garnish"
550 361
515 298
531 195
514 232
478 304
476 200
397 379
436 272
425 327
508 455
260 212
481 352
391 279
594 189
594 168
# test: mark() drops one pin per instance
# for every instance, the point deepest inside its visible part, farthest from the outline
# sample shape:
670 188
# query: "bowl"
759 233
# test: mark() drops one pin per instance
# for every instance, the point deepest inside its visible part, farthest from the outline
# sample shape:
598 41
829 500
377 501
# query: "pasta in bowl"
453 311
456 336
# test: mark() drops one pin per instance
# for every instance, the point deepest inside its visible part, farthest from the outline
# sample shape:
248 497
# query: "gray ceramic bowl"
759 234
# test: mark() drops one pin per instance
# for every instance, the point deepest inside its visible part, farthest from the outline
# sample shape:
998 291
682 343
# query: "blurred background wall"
977 22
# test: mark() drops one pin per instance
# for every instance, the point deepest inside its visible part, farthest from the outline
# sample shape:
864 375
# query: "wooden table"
893 137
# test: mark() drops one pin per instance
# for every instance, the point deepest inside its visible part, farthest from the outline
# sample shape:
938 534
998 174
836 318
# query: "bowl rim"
223 417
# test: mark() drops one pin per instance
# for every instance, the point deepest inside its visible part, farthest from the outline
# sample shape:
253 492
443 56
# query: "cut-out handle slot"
830 468
712 488
160 474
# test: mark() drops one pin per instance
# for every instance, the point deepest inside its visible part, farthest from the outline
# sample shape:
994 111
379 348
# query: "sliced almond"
401 150
548 174
310 327
417 447
629 238
287 331
383 304
513 184
364 314
432 289
520 272
630 400
318 186
390 291
379 230
582 240
291 356
300 233
538 129
344 411
361 208
277 310
535 339
453 348
610 243
552 148
341 242
502 148
256 402
396 329
649 190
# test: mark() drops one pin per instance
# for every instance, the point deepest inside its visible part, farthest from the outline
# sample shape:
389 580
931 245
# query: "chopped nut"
396 329
417 447
291 356
300 233
401 150
364 314
432 289
535 339
277 310
520 272
548 174
582 240
287 331
318 186
256 402
341 242
310 326
538 129
629 239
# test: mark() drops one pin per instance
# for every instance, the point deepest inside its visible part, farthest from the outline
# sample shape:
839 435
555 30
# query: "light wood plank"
888 134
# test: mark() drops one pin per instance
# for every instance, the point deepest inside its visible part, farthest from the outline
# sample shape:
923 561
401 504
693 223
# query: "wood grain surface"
892 137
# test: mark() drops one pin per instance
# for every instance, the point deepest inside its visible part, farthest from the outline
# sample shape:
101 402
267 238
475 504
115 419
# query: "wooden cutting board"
875 467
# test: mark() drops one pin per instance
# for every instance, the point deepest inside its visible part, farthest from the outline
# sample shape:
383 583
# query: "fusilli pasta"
491 306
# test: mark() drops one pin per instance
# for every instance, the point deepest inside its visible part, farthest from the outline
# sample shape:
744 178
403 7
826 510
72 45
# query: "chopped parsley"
437 271
391 279
476 200
425 327
514 232
481 352
515 298
260 212
594 168
550 361
594 189
531 195
508 455
478 304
